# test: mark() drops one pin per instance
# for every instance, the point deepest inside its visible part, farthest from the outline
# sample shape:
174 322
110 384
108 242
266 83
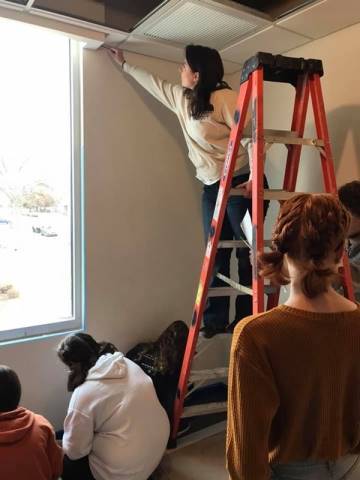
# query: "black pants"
216 314
77 469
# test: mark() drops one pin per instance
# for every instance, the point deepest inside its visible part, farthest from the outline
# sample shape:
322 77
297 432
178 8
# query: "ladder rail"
257 186
209 259
323 133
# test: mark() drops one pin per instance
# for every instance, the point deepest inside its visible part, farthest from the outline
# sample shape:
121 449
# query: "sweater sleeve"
78 434
167 93
252 404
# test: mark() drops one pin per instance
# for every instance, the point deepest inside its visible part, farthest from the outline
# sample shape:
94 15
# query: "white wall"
143 227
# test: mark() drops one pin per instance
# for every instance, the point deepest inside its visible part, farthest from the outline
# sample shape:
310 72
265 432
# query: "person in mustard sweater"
205 105
294 379
28 449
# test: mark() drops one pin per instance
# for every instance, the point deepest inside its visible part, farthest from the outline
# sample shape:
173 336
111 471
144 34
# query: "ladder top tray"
278 68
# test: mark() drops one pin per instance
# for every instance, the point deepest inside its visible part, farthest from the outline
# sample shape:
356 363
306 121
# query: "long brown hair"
311 230
207 62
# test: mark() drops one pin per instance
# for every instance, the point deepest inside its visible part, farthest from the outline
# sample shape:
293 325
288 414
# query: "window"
41 265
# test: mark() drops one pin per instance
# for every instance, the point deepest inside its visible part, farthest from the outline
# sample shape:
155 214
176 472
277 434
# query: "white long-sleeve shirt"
115 418
207 138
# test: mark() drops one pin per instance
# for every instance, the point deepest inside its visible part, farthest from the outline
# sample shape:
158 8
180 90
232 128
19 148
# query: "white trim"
28 333
78 269
78 276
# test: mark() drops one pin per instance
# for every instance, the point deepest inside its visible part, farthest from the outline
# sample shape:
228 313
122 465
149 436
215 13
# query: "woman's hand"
117 55
247 187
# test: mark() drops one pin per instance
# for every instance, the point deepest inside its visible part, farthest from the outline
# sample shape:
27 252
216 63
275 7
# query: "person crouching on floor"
115 427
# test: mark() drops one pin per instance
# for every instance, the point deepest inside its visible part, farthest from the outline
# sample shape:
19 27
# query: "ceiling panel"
273 40
207 22
121 15
323 18
125 14
275 8
89 10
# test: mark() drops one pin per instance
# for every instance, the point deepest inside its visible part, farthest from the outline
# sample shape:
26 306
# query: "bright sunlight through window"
40 182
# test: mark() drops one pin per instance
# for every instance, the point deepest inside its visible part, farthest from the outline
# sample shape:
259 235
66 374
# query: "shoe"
184 426
210 331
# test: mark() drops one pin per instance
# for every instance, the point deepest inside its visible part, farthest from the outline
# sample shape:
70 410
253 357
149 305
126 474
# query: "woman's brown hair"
311 230
80 351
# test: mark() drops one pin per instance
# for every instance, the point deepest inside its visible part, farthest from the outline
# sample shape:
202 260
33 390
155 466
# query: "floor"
204 460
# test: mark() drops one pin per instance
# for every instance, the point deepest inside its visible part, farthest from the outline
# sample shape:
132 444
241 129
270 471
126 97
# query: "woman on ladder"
205 105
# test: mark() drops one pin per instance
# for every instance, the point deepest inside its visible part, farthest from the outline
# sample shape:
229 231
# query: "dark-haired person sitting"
349 195
294 380
28 449
115 428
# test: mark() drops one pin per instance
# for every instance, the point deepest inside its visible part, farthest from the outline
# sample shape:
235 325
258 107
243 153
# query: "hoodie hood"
15 425
109 366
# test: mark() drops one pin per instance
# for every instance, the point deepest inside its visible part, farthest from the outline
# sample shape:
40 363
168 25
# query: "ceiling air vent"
207 22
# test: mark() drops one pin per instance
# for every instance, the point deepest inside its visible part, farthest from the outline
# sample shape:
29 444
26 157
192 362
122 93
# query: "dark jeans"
216 314
77 469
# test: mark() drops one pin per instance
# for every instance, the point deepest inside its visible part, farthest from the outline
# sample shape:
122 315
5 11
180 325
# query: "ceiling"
237 28
275 8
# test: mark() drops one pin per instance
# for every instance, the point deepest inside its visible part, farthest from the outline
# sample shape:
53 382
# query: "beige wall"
143 227
144 240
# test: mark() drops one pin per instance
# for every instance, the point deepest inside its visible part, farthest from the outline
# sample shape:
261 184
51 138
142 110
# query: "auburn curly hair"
311 230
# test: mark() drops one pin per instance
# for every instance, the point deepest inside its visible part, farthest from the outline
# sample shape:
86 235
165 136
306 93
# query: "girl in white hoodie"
115 428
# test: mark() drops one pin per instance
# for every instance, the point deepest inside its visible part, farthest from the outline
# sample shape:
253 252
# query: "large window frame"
77 320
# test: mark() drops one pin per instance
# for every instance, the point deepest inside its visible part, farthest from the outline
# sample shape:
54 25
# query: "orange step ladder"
304 75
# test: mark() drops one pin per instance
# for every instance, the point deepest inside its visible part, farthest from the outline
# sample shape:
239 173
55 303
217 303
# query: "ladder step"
238 244
229 292
225 292
236 288
204 409
209 374
288 137
233 244
272 194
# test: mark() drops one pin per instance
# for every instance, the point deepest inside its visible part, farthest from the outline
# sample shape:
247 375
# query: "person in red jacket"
28 449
